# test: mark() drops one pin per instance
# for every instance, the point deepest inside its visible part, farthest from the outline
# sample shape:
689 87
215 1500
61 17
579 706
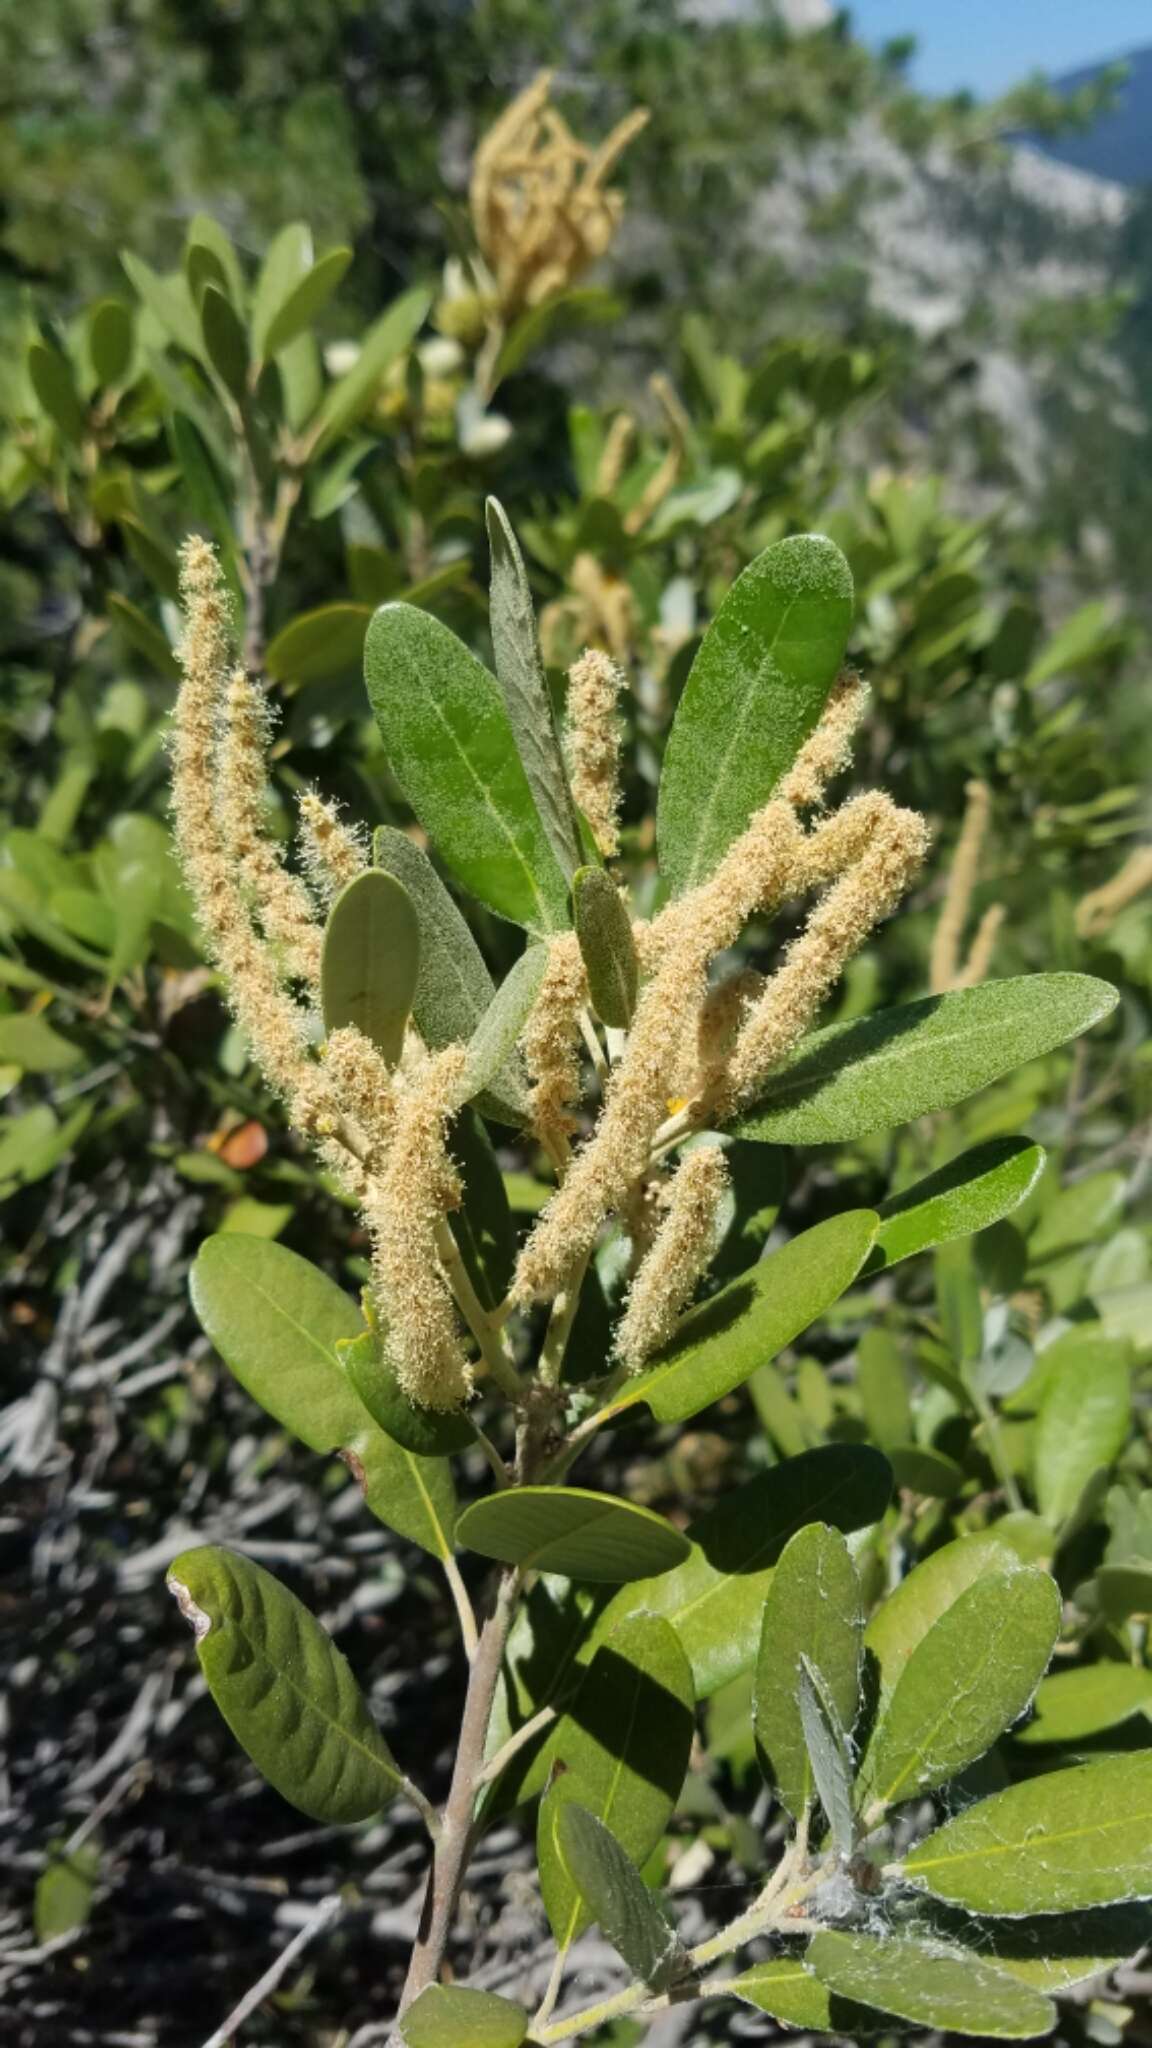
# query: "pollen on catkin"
869 852
362 1087
755 872
945 968
276 1027
406 1202
278 899
551 1041
678 1256
827 751
593 744
333 853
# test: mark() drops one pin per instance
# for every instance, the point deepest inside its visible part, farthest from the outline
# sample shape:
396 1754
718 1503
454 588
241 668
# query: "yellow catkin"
551 1041
869 851
275 1026
828 751
1096 910
945 966
333 853
362 1087
406 1202
678 1256
982 948
619 442
279 899
593 744
724 1010
755 873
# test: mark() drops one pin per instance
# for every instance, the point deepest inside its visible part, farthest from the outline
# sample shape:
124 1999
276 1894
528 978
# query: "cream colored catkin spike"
946 971
828 750
551 1043
593 744
279 900
276 1027
869 852
333 853
406 1201
678 1256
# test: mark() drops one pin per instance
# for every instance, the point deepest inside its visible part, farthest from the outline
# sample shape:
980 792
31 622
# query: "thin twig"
326 1913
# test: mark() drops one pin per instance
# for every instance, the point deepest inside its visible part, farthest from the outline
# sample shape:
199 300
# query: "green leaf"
225 342
755 692
715 1599
718 1344
931 1986
31 1043
492 1046
276 1321
566 1529
153 557
812 1608
957 1200
829 1754
607 947
883 1385
451 2016
918 1469
351 395
110 339
1082 638
1054 1951
318 644
450 745
1050 1845
370 961
373 1378
618 1899
140 632
287 261
168 299
453 987
526 695
306 300
788 1990
65 1891
969 1678
627 1736
1073 1705
1082 1425
201 483
1079 1215
283 1687
917 1603
51 376
207 235
851 1079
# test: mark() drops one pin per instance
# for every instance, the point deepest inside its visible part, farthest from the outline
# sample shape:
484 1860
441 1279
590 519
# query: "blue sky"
987 45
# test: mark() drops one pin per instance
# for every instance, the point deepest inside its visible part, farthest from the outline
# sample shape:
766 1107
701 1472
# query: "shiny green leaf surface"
813 1609
969 1678
492 1046
520 671
622 1755
373 1378
851 1079
930 1986
276 1321
720 1343
370 961
1052 1844
792 1993
903 1620
350 396
283 1687
604 929
568 1530
961 1198
287 261
452 2016
319 644
755 692
1073 1705
449 743
715 1599
306 300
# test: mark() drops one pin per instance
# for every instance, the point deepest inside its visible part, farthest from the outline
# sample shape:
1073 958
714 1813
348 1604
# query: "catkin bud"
678 1257
593 738
551 1041
278 899
333 853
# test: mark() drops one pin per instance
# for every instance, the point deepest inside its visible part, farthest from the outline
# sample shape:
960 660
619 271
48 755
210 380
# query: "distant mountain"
1120 146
